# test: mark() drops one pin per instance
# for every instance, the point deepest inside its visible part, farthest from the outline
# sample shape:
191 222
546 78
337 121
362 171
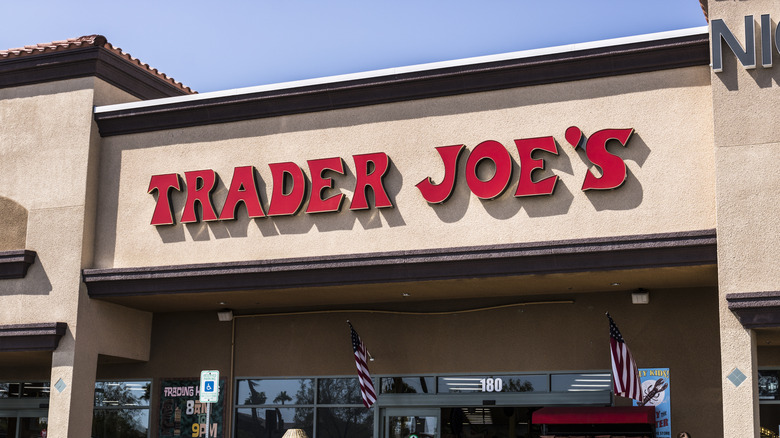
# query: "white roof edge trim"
407 69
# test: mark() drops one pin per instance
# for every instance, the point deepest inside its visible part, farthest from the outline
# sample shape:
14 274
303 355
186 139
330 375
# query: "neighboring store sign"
183 415
656 392
290 189
746 55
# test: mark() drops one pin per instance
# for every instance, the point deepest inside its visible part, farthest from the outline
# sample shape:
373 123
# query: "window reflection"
267 408
120 423
275 392
345 423
582 382
339 391
272 422
121 409
408 385
122 393
24 390
35 390
9 390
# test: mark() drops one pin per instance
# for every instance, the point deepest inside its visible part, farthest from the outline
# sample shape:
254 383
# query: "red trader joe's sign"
290 190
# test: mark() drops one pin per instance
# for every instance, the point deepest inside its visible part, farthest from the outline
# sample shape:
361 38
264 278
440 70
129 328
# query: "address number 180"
492 385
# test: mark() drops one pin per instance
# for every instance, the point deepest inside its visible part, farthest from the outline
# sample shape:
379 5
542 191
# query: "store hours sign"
183 415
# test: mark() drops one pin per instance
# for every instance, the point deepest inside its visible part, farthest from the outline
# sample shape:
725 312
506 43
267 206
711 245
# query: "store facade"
473 220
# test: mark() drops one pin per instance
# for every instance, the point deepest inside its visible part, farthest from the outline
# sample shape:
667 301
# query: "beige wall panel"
43 136
50 291
669 187
107 94
183 344
47 173
748 256
748 229
746 133
114 322
13 217
743 112
45 133
50 152
678 329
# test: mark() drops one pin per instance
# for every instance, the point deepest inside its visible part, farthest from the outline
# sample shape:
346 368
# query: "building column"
739 382
746 138
74 364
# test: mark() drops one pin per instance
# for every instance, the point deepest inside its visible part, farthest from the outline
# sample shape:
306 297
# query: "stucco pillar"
738 371
747 139
72 388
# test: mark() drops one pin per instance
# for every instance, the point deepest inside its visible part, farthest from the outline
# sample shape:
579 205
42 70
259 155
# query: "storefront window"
272 422
345 422
35 390
275 392
338 391
24 390
267 408
581 382
769 402
24 406
121 410
408 385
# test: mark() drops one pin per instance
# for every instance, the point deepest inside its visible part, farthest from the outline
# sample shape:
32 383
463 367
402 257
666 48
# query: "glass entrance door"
411 423
488 422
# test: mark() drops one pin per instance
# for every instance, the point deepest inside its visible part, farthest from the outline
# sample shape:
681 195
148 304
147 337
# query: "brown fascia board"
31 337
693 248
756 309
84 62
570 66
14 264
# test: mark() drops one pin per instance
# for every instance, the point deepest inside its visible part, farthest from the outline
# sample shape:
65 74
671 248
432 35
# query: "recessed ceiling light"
405 294
222 303
615 284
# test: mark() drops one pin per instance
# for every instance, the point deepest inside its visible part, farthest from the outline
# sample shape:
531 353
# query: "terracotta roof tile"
705 8
86 41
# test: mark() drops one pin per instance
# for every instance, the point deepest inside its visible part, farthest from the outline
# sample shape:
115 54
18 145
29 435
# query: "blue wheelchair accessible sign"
209 386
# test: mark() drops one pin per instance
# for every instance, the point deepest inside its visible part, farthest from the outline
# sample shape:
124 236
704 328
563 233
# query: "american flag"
625 375
366 384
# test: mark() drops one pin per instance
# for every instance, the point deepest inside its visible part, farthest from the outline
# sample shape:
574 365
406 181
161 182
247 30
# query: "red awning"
595 415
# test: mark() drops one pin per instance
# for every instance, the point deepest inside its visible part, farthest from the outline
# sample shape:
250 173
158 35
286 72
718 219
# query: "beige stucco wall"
678 330
50 152
45 137
669 187
748 192
746 136
13 233
53 174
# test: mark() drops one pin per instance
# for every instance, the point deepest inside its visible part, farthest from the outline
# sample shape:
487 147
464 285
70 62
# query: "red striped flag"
366 384
625 375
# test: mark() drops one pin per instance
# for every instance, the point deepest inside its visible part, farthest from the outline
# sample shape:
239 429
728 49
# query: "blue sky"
219 45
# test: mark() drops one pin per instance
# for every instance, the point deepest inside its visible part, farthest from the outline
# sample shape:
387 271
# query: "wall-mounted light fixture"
225 315
640 296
